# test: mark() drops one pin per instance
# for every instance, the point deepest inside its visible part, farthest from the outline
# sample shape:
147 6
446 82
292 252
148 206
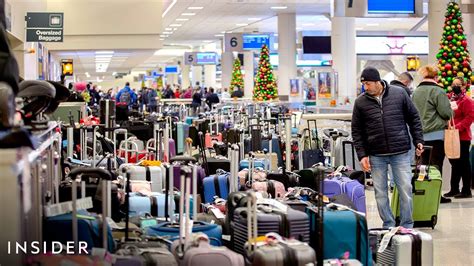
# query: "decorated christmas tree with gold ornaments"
265 84
453 56
237 78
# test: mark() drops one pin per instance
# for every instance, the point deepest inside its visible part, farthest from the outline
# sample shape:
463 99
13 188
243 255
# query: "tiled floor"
453 236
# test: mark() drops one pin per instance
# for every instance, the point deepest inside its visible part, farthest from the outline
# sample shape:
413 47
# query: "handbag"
452 144
315 154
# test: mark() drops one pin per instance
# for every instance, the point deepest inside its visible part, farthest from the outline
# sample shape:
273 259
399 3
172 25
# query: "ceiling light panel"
195 7
176 25
182 19
278 7
188 14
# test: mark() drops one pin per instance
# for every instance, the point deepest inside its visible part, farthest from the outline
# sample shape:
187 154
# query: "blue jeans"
402 175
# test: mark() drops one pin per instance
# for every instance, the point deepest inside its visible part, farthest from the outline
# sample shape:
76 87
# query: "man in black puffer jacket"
380 133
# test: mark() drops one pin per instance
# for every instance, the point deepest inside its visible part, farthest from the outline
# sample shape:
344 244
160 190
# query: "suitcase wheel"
434 221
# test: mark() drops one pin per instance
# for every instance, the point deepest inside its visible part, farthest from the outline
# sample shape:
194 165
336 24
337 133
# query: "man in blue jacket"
126 96
381 119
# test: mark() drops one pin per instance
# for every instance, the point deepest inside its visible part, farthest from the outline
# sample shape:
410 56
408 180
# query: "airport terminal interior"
236 132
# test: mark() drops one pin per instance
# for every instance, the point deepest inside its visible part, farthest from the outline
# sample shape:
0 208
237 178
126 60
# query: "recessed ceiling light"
279 7
372 24
103 55
182 19
207 41
176 25
195 7
223 32
163 36
253 19
175 29
188 14
229 31
161 39
241 24
219 35
168 29
104 52
167 32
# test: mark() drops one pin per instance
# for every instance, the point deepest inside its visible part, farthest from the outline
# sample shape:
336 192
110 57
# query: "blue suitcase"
189 119
275 148
154 205
182 134
258 163
59 228
216 185
171 231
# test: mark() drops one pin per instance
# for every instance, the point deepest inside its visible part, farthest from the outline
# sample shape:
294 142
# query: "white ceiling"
219 16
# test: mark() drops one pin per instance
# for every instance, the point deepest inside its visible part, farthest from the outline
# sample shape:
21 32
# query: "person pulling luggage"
379 129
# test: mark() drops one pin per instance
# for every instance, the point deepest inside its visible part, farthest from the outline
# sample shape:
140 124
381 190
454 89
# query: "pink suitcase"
275 189
210 139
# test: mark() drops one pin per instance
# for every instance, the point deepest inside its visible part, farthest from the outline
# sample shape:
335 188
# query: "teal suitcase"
426 200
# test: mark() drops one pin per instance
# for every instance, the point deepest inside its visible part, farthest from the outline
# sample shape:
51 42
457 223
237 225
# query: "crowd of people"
392 122
149 97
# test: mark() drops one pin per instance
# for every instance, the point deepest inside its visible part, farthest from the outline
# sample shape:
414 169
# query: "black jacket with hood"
380 127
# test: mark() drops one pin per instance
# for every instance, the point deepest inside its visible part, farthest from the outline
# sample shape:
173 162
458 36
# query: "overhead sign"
44 27
255 41
392 45
200 58
233 42
171 70
206 58
189 58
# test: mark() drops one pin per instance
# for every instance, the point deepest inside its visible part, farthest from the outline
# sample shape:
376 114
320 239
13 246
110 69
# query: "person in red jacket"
463 107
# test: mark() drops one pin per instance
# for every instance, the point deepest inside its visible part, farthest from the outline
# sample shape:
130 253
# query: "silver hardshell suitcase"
414 249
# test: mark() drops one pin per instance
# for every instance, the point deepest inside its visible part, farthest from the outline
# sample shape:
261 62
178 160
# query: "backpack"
126 97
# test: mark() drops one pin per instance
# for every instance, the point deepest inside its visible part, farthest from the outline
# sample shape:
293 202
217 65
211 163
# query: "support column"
249 75
286 53
185 81
197 75
227 64
210 76
436 11
344 58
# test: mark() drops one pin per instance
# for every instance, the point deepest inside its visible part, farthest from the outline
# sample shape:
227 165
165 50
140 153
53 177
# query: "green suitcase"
425 200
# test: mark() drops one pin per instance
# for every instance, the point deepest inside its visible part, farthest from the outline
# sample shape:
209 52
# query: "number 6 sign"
233 42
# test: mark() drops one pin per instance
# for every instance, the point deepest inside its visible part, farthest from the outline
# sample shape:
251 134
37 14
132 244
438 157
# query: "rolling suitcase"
355 191
405 247
275 149
149 174
171 230
278 218
216 185
182 133
153 204
426 188
272 249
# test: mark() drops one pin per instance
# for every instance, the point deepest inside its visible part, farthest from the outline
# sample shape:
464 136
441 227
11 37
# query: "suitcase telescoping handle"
117 132
184 204
251 222
419 162
320 230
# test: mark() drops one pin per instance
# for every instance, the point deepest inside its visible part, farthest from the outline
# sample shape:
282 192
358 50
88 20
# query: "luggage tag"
423 173
386 239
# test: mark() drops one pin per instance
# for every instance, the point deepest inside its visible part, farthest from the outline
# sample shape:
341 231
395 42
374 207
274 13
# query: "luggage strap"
415 249
271 188
216 186
148 173
154 206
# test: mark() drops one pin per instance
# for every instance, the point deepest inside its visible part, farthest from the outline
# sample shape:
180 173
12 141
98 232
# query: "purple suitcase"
344 185
172 148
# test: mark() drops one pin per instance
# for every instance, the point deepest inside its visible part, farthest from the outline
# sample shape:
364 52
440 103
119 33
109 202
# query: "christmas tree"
237 79
265 84
453 56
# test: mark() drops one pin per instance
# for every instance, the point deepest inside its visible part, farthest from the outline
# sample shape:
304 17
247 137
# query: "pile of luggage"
244 185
